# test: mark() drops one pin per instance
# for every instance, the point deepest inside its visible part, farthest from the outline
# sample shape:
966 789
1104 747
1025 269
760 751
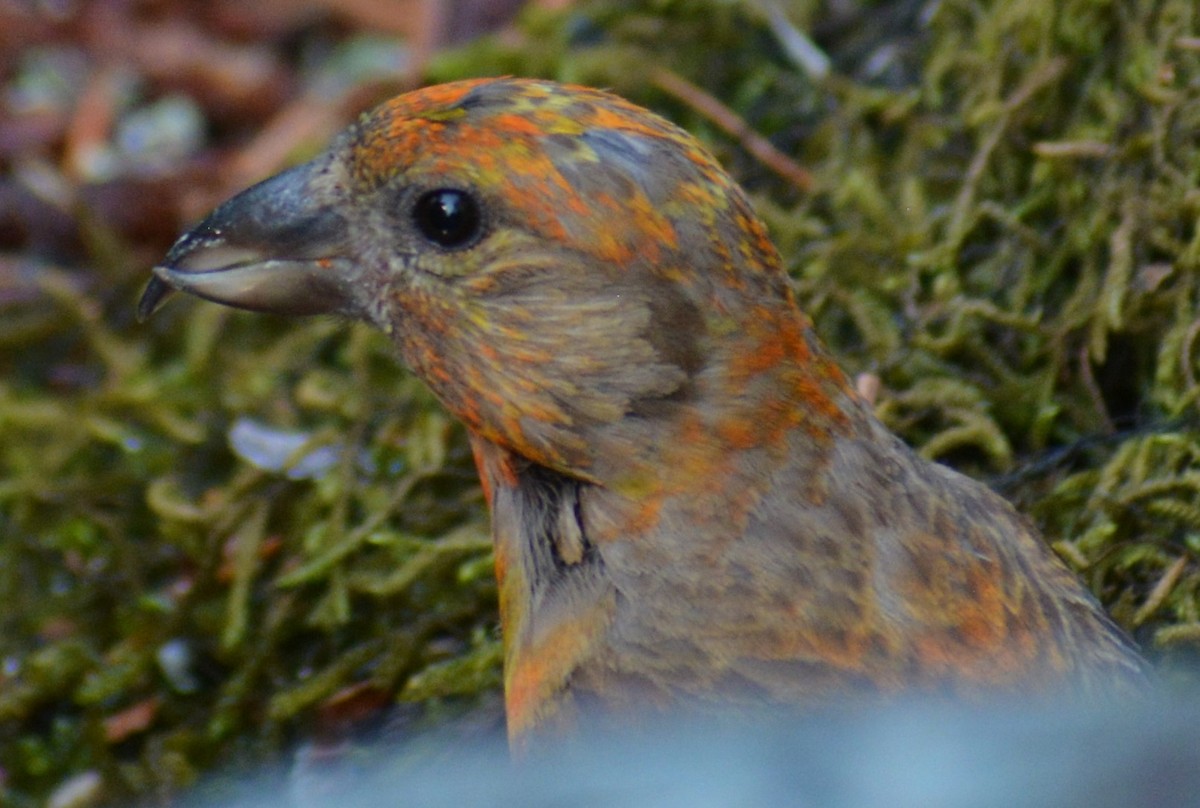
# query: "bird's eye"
448 217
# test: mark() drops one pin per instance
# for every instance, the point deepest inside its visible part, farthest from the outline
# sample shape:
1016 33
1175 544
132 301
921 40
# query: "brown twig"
1161 589
712 109
1185 355
1094 392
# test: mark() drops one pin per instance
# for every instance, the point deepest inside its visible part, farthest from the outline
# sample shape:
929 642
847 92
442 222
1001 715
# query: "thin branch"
725 118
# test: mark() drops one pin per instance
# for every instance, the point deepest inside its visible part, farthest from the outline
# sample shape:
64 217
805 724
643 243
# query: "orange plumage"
691 506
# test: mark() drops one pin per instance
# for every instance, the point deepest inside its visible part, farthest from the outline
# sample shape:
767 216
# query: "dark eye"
448 217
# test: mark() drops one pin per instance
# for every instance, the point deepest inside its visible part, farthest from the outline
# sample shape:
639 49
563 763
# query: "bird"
691 506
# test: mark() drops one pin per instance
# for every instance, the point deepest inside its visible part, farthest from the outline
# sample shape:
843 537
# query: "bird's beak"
279 246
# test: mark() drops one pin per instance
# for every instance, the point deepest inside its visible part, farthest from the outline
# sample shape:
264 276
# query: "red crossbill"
690 504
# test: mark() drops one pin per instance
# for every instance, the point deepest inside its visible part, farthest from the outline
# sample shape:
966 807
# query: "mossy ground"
1001 228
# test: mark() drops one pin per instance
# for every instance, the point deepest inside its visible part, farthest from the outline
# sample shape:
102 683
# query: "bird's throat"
555 603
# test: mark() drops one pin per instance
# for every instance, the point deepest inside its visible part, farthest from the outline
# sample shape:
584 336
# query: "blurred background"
223 535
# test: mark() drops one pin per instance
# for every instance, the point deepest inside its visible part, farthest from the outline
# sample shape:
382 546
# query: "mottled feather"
690 504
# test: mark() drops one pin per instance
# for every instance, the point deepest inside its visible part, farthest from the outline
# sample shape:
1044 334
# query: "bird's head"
575 277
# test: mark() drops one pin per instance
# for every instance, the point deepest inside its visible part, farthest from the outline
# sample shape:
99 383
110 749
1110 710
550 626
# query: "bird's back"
875 573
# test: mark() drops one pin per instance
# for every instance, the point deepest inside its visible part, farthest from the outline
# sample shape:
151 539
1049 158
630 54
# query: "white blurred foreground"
925 755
